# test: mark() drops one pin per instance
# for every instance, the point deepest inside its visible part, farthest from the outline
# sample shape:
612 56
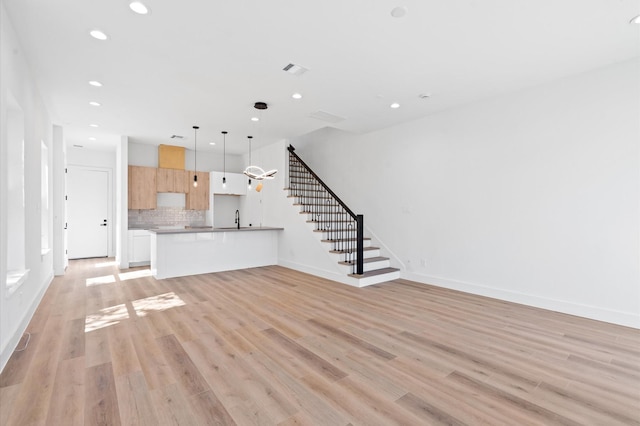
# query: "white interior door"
87 213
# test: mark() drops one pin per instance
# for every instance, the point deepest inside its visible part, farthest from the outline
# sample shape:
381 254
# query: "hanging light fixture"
224 159
255 172
195 156
245 172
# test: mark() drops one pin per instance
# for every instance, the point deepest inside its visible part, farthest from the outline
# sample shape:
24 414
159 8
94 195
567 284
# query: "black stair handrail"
357 217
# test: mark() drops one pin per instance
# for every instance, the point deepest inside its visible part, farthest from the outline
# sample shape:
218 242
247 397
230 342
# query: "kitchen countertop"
197 229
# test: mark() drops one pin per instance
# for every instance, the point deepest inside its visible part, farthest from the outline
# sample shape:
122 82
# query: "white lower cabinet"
139 247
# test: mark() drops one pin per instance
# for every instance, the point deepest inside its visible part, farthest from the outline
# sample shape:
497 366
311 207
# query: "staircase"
337 227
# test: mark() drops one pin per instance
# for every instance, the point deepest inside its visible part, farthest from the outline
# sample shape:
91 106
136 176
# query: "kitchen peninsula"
201 250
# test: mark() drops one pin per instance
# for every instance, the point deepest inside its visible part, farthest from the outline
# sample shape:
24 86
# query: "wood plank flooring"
272 346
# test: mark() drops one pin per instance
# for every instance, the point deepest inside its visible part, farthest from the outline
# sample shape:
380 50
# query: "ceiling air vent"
325 116
295 69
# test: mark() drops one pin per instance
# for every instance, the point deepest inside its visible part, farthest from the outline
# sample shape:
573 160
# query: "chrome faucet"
238 218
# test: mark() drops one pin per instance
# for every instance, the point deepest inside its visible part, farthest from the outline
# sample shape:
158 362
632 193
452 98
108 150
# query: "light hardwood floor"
273 346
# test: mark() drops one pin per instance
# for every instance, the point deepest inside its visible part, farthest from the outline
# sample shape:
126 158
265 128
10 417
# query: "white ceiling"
204 62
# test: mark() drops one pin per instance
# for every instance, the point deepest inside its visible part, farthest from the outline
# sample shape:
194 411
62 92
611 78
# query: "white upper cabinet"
236 183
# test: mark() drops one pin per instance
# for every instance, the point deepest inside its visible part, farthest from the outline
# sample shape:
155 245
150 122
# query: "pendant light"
195 156
255 172
224 159
249 185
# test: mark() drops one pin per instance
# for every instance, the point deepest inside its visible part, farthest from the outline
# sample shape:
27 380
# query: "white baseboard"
329 275
627 319
13 341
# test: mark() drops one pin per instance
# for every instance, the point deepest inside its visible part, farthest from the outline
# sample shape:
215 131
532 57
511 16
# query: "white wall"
16 309
532 197
122 203
60 258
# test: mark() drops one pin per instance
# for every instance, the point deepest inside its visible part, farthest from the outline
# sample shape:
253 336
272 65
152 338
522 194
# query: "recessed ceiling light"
398 12
93 103
255 119
212 143
139 8
92 139
296 96
635 20
395 105
97 34
93 125
95 83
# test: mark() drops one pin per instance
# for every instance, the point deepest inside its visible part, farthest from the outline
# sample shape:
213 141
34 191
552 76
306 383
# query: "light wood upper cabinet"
142 187
164 182
172 180
181 181
198 198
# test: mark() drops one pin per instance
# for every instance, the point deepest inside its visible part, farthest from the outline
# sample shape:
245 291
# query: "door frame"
110 206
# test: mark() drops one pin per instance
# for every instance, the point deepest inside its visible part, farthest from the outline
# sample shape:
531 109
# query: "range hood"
170 157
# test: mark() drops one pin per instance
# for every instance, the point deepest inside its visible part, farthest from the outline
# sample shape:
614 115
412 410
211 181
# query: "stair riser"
331 246
382 278
367 266
367 254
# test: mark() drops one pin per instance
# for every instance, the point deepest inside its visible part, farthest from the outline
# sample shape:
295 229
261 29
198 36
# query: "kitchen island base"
178 254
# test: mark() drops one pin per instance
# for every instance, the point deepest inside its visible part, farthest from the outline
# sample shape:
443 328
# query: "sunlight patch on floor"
134 274
106 317
157 303
107 279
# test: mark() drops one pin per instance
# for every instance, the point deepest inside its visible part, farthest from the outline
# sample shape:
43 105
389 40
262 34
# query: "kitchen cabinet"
181 181
139 247
142 187
172 180
198 197
236 183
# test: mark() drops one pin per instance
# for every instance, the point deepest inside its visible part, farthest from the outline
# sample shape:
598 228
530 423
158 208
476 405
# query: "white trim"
13 341
628 319
376 241
338 277
14 280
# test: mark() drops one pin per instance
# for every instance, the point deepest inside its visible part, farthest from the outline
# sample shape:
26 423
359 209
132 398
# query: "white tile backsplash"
166 215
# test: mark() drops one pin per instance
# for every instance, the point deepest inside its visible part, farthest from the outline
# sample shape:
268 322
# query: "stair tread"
375 272
370 248
315 205
328 221
367 260
336 230
343 240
